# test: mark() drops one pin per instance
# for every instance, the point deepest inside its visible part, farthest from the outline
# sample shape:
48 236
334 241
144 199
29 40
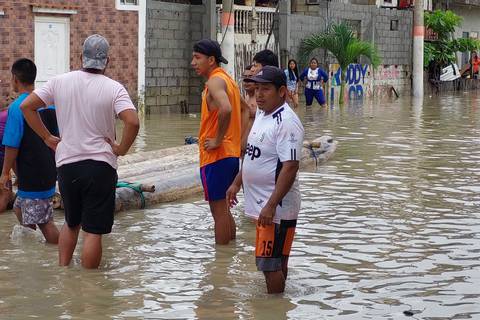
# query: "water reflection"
391 223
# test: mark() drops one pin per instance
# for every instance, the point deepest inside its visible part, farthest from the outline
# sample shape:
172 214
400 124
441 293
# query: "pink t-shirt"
86 105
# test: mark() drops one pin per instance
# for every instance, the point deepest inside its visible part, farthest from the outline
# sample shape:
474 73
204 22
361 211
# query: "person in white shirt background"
314 77
292 83
269 176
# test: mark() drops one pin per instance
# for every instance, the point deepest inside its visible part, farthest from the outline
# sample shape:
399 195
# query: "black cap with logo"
269 74
210 48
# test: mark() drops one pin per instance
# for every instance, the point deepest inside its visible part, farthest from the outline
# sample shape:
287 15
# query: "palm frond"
340 40
358 48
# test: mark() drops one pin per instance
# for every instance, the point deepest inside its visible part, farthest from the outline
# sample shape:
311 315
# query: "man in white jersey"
86 152
269 176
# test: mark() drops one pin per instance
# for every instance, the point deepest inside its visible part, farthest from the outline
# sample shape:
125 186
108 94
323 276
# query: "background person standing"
314 77
292 83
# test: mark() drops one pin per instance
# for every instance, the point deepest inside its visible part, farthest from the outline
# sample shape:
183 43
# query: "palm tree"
340 40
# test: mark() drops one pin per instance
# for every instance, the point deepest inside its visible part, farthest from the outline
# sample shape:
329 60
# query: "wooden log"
173 174
175 171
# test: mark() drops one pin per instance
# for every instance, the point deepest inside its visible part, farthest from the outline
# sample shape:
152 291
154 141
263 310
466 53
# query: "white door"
52 47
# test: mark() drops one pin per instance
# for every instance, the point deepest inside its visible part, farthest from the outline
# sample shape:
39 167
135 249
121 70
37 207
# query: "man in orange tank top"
220 134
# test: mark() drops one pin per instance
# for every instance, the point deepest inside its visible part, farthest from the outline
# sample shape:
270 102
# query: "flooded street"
390 224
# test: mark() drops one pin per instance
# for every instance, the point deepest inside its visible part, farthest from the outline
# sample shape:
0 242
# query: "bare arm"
233 190
29 108
285 180
8 164
131 124
219 98
245 123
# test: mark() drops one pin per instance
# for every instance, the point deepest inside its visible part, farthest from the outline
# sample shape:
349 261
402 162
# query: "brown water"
391 223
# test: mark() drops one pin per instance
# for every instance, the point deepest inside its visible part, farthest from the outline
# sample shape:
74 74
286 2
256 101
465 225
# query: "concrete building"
172 28
51 32
388 28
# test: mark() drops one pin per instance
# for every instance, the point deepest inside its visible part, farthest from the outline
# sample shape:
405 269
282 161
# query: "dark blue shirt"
35 162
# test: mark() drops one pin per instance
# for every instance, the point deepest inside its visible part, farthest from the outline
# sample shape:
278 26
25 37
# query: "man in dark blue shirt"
35 161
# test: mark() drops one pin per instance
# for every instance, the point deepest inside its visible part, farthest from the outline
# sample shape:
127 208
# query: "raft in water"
174 172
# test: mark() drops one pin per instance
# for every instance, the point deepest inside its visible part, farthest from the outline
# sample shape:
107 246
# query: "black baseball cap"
269 74
210 48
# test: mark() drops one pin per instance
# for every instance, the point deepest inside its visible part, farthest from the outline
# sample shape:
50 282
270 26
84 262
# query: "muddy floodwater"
390 224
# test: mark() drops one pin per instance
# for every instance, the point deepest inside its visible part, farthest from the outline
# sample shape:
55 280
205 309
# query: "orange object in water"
230 146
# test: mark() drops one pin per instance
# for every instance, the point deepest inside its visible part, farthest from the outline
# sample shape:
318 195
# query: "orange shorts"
273 244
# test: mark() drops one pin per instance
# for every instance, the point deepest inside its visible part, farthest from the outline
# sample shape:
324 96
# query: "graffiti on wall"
362 81
358 82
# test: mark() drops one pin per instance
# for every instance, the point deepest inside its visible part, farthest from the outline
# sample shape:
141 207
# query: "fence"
243 19
244 55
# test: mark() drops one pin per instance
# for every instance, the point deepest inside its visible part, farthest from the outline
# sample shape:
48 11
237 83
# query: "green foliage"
442 22
340 40
443 50
466 44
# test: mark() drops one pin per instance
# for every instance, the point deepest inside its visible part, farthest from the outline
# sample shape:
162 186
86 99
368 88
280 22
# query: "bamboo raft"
173 174
166 175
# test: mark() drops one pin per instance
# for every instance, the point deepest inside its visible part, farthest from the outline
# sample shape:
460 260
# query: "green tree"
341 41
442 51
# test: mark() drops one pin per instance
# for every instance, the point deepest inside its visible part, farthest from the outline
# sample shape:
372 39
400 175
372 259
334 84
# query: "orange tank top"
230 146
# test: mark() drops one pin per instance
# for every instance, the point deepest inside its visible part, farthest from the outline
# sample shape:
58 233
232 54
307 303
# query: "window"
356 26
393 25
127 4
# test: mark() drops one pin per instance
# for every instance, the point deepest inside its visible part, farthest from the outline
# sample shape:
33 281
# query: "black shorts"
88 192
273 244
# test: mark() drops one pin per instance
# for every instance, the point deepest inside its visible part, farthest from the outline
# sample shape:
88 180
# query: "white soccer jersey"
273 139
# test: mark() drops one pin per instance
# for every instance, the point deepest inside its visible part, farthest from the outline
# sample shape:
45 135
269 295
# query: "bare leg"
92 250
67 242
50 232
224 223
5 196
275 281
233 227
18 214
285 268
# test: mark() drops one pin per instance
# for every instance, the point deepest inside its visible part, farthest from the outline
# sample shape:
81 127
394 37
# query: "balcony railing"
243 19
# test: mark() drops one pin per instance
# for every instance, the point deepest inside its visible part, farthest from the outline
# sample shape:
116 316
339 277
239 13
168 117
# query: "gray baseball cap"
95 52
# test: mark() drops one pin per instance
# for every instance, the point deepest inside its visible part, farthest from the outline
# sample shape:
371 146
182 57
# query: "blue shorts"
217 178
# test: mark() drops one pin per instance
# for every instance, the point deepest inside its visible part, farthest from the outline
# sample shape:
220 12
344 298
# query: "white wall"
471 23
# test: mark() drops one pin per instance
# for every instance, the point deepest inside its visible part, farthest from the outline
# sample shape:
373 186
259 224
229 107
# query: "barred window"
127 4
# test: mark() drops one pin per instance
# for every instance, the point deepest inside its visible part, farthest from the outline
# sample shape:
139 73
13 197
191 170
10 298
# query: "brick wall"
171 31
100 16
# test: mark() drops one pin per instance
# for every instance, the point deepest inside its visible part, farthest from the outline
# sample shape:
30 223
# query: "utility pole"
254 23
228 36
418 38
